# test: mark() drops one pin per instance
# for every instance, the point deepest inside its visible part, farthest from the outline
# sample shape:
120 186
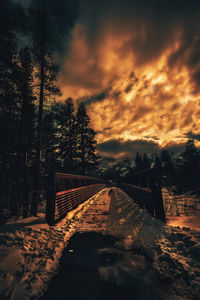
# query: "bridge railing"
67 191
141 196
151 197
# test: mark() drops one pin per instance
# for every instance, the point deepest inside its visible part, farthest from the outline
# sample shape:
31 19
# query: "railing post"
157 195
51 197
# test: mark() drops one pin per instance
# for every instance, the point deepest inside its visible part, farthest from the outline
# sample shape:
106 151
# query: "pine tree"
190 166
9 112
166 160
67 134
47 70
157 161
138 162
49 143
146 161
86 144
27 110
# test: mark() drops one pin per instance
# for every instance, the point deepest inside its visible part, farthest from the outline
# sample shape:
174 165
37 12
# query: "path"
120 252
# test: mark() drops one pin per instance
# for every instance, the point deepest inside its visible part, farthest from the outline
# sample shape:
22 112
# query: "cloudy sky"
136 65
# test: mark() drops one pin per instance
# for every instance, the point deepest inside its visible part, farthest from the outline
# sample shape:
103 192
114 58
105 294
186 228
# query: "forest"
38 135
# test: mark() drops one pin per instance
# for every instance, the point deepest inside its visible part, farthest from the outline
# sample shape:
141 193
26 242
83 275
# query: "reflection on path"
120 252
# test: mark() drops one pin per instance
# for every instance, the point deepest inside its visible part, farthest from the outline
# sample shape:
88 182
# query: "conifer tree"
47 70
66 123
146 161
26 98
86 144
157 161
138 162
9 112
49 143
190 166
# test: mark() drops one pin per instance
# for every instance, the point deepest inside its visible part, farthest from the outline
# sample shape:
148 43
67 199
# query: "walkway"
120 252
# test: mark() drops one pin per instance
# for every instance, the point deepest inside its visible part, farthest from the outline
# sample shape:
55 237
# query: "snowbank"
30 251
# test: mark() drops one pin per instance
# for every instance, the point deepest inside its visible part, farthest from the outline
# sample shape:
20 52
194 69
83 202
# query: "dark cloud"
95 98
128 88
123 149
61 17
117 148
154 23
175 147
151 25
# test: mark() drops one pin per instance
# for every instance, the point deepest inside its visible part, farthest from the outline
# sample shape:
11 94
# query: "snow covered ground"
155 255
30 251
146 254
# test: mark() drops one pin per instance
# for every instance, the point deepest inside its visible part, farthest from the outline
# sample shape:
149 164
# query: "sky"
136 66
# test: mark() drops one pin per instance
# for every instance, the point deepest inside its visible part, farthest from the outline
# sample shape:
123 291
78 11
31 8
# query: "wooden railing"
67 191
147 197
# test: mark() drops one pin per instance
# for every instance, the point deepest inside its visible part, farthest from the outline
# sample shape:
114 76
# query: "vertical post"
157 195
51 197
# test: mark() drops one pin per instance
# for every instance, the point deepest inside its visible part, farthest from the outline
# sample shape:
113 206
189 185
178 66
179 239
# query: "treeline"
37 135
180 173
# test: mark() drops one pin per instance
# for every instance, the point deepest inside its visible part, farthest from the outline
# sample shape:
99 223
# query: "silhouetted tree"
157 161
9 112
67 134
50 143
146 161
47 70
27 109
86 144
190 166
138 162
166 161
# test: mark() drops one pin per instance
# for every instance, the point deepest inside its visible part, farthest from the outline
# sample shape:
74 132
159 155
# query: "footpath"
120 252
108 248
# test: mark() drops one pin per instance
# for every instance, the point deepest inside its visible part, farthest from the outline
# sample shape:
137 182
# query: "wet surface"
88 266
120 252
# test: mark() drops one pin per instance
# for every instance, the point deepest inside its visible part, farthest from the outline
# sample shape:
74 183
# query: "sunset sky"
136 65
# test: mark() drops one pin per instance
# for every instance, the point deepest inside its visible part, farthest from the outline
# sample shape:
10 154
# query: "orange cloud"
137 81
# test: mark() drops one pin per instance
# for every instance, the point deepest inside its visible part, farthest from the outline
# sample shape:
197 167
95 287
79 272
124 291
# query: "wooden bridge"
67 191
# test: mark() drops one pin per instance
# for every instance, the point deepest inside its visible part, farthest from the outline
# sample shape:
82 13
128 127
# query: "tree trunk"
36 193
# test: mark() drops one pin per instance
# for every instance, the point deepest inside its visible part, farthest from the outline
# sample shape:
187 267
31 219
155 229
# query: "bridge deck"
119 251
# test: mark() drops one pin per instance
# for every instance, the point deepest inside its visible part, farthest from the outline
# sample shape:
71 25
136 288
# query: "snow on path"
155 253
30 251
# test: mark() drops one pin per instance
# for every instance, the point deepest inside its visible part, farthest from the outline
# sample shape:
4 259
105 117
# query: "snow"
153 253
164 258
192 222
30 251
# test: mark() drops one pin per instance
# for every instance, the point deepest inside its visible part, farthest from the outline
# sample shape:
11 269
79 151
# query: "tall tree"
157 161
146 161
50 143
138 162
166 161
66 121
8 96
190 166
86 144
47 70
26 98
